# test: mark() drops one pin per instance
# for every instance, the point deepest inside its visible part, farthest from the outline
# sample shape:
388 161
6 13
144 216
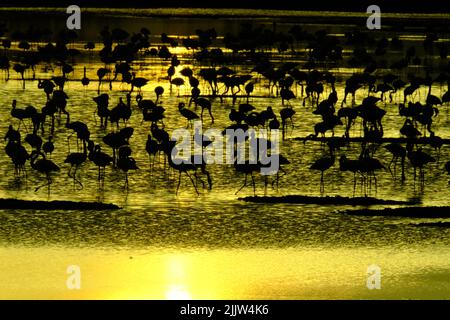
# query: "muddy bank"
327 200
55 205
440 224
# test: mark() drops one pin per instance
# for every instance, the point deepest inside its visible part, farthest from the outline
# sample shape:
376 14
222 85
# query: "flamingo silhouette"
18 155
44 166
76 159
178 82
249 87
187 114
34 140
126 162
205 104
152 148
247 168
103 112
397 151
81 130
369 166
351 165
47 86
446 97
100 159
12 134
182 167
5 65
419 159
158 91
20 69
19 114
101 73
48 146
138 82
120 112
323 164
286 113
85 80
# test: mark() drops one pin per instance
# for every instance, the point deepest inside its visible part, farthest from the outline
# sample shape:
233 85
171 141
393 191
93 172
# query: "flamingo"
99 158
20 69
158 91
126 163
248 169
34 140
178 82
368 166
138 82
85 80
446 97
323 164
12 134
187 114
18 154
47 86
397 151
205 104
17 113
409 130
182 167
249 87
101 73
81 129
286 113
43 166
75 159
419 159
48 146
152 148
351 165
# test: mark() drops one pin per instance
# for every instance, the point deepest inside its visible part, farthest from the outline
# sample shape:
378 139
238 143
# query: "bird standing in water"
323 164
187 114
126 162
43 166
85 80
397 151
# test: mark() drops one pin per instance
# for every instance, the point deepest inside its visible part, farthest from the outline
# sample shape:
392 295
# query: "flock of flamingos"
382 79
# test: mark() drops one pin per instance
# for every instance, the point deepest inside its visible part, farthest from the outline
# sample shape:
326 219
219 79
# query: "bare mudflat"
327 200
55 205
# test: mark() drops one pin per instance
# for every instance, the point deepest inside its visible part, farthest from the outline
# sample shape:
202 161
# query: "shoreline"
224 13
324 200
20 204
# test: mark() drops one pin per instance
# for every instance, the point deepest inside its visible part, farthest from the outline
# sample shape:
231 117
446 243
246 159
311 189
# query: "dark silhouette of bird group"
377 91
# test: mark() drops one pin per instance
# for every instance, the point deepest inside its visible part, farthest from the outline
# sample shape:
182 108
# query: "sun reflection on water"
178 292
224 274
177 277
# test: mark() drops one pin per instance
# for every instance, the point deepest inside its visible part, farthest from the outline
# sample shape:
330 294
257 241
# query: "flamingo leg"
253 183
179 182
49 182
193 183
245 183
212 118
322 187
75 177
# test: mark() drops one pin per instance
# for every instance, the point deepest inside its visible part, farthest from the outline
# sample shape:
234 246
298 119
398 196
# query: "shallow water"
213 246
